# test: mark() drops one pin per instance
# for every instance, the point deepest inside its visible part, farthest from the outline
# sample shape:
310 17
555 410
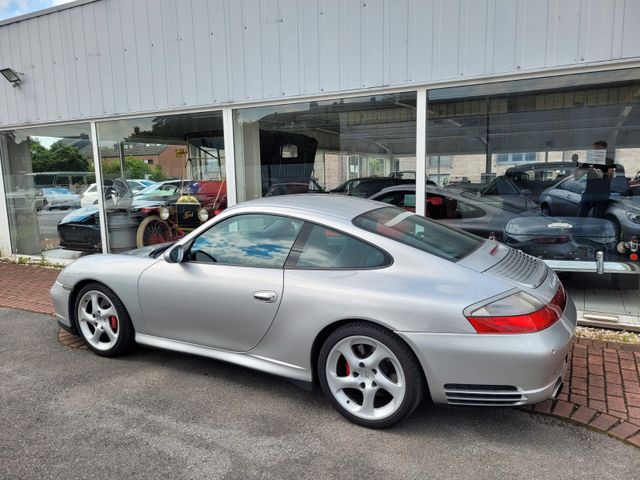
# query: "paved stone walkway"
602 385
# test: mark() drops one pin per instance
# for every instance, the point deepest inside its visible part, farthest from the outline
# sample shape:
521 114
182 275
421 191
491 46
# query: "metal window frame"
97 165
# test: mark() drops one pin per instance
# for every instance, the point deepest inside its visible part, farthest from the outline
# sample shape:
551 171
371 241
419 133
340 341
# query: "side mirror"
174 254
526 192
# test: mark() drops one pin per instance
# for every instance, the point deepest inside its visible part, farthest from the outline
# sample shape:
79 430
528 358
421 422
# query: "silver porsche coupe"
379 306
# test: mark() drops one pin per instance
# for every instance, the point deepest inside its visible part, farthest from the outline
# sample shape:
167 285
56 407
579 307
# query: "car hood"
80 215
152 251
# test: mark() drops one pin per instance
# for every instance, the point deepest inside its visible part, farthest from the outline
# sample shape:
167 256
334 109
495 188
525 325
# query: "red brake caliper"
347 368
114 323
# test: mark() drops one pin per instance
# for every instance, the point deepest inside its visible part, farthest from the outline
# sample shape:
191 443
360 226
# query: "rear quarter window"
426 235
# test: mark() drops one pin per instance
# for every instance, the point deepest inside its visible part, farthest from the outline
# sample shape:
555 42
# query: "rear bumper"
496 370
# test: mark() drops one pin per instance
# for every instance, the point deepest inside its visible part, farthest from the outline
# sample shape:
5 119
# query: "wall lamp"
12 76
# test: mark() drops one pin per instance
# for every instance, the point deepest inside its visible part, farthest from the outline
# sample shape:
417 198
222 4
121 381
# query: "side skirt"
255 362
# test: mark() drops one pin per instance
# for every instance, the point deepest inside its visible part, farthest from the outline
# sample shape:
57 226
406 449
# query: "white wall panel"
136 71
220 51
171 64
350 15
329 40
186 43
158 42
202 35
94 74
137 56
270 45
59 77
447 42
309 42
252 41
533 34
567 25
631 29
87 98
111 47
289 34
6 95
397 39
234 29
504 38
34 30
472 37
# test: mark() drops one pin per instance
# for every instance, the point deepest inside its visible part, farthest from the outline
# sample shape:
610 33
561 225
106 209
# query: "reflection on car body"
557 238
444 312
563 199
60 197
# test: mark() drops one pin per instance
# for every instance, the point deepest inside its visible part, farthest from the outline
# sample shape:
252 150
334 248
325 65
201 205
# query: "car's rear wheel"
370 376
152 231
103 321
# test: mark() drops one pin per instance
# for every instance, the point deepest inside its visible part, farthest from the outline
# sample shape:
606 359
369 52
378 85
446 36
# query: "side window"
575 186
326 248
394 198
466 210
247 240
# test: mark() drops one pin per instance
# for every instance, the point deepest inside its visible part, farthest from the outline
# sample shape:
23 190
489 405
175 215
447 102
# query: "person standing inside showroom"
598 186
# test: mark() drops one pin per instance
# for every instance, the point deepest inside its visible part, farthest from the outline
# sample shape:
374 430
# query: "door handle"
266 296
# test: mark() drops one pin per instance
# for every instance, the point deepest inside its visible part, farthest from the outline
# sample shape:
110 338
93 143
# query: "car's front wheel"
370 376
103 321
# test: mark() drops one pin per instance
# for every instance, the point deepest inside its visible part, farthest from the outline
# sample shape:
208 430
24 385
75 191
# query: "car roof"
324 204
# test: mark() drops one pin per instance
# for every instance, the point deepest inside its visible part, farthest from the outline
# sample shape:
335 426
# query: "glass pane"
355 146
418 232
326 248
247 240
163 177
46 171
554 169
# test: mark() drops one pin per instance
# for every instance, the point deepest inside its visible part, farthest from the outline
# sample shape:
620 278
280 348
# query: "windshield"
419 232
56 191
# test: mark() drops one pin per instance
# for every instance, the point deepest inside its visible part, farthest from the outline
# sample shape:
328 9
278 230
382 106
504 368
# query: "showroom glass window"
504 149
46 171
163 177
352 146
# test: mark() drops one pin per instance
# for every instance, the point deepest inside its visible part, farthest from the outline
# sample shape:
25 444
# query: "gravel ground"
604 335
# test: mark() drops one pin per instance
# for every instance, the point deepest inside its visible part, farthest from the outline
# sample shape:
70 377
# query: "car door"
226 291
567 196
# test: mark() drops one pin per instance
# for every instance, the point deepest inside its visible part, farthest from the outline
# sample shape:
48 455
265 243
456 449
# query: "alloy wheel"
98 320
365 377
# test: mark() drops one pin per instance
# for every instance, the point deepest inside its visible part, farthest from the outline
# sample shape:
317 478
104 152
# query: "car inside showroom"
114 143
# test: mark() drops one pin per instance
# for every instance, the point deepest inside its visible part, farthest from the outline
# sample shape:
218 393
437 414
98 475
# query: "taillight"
518 313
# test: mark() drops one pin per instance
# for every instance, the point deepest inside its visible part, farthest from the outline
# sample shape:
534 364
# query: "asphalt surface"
67 413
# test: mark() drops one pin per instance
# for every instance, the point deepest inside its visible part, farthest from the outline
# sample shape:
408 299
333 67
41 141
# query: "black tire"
126 333
415 383
544 209
625 281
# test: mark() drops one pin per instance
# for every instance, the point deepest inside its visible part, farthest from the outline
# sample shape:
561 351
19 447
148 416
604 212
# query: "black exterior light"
12 76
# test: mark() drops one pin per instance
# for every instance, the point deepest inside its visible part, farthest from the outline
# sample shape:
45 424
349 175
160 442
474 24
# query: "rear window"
419 232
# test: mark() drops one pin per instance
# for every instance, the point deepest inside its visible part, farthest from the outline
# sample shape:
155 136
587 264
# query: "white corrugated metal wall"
129 56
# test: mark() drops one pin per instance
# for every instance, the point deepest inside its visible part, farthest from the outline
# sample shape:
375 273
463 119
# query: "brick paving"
601 390
26 287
